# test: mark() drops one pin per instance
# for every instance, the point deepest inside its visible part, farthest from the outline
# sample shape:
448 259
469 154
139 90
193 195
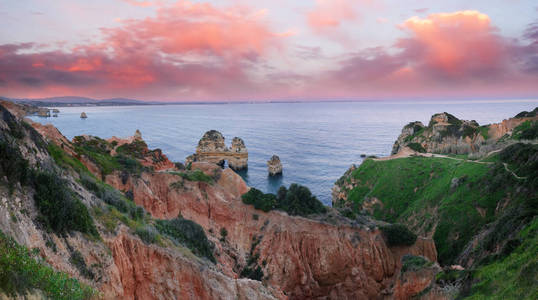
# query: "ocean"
316 142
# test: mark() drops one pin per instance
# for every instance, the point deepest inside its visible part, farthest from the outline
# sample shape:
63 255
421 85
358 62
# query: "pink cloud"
328 14
189 50
445 55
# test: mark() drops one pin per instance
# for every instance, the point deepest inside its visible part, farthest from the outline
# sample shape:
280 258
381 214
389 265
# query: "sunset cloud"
455 44
328 14
193 50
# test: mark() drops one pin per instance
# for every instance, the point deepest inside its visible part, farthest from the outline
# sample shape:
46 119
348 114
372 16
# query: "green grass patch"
411 187
21 273
65 160
514 277
196 175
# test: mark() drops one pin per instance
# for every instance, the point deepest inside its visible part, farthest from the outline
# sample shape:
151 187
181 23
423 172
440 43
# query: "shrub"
223 234
113 197
147 234
261 201
12 165
254 273
135 149
528 130
21 273
77 260
298 200
188 233
60 210
416 147
414 263
398 235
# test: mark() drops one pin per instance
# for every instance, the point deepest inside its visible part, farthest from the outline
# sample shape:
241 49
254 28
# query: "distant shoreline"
88 102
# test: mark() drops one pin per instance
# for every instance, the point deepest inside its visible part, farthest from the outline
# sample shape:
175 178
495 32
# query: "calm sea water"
316 142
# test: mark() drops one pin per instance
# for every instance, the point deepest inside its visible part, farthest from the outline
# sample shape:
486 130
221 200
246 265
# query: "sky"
240 50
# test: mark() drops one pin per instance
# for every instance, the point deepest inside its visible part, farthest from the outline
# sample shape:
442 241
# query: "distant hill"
78 101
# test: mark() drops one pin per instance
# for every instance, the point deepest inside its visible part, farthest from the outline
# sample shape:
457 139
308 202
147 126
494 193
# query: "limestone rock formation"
137 135
447 134
212 148
274 166
83 115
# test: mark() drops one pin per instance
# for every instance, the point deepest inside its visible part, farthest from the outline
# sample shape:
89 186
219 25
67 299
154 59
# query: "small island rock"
274 166
83 115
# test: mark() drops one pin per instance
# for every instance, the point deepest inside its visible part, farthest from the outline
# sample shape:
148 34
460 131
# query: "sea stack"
138 135
274 166
212 148
83 115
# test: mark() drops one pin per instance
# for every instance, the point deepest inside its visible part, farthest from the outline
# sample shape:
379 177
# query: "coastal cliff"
447 134
143 227
480 210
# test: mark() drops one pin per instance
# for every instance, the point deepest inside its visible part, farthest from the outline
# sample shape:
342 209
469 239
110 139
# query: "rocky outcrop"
83 115
212 148
304 258
447 134
274 166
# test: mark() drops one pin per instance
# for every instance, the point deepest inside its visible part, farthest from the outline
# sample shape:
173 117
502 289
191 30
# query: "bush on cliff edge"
297 200
398 235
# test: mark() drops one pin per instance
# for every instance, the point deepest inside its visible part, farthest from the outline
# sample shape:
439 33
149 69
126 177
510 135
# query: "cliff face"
330 257
447 134
302 257
212 148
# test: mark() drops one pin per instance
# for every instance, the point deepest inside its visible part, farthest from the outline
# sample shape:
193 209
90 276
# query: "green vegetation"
98 151
416 147
527 130
459 197
261 201
77 260
147 234
414 263
398 235
21 273
297 200
188 233
523 160
512 277
527 114
64 160
484 131
135 149
60 209
113 197
252 270
196 175
13 166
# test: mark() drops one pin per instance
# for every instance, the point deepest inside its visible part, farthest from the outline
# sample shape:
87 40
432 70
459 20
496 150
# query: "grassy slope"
417 191
22 272
514 277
